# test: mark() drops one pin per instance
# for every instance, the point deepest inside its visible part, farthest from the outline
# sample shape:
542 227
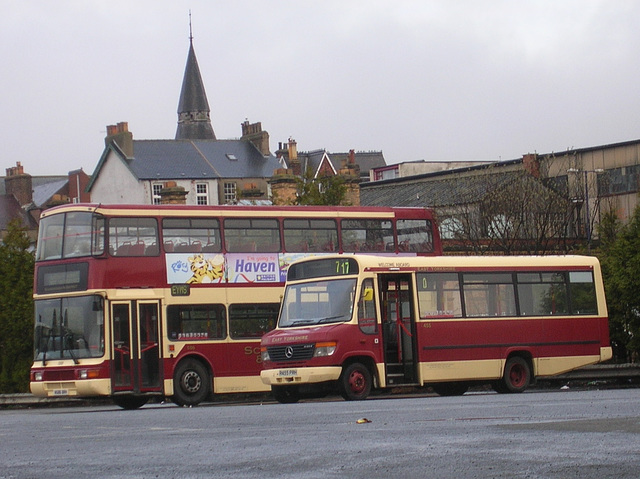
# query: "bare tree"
508 213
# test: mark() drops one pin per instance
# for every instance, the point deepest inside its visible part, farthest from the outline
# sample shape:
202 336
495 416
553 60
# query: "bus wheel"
355 382
285 394
191 383
130 402
450 389
516 375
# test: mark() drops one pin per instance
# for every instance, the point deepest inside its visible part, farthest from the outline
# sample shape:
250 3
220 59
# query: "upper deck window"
68 235
252 235
133 236
367 235
191 235
310 235
415 235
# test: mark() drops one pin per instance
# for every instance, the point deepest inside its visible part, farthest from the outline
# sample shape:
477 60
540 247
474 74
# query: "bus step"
395 368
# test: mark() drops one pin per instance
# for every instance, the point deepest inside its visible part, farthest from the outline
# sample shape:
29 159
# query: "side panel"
477 349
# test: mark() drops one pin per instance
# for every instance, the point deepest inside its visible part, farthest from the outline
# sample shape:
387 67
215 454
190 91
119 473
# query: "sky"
443 80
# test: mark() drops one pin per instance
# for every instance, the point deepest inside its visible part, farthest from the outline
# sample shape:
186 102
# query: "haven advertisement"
205 268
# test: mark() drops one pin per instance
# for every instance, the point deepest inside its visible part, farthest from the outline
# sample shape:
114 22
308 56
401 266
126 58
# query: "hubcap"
357 382
191 382
517 376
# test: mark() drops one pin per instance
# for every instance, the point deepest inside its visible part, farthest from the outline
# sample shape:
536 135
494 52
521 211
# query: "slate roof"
193 100
197 159
10 209
42 193
366 160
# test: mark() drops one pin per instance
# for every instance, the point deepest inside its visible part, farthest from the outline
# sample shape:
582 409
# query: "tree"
620 259
323 190
16 310
507 213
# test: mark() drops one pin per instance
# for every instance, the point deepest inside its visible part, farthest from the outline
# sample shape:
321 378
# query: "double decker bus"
139 301
354 323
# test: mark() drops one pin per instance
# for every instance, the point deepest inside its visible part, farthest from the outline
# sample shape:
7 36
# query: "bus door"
398 331
136 365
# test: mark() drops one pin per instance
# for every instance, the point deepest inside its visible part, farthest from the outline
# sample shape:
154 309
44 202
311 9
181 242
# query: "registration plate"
287 373
60 392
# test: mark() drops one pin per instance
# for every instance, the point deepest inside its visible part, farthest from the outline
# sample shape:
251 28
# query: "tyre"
517 375
285 394
450 389
191 383
355 382
130 402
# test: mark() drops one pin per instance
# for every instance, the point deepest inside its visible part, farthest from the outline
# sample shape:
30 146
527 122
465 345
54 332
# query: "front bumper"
292 376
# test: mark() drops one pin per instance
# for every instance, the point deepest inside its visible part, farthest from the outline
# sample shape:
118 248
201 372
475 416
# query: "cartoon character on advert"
206 270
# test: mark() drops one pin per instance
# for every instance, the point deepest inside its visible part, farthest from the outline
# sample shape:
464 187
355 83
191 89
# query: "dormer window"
232 157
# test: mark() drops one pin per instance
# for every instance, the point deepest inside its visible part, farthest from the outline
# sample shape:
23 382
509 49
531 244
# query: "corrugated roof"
437 192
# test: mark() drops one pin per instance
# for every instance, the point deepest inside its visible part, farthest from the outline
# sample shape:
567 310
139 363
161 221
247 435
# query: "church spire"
194 121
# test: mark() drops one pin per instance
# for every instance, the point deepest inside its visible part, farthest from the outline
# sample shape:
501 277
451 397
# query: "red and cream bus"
353 323
140 301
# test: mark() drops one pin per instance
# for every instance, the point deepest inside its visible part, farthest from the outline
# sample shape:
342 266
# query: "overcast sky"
432 80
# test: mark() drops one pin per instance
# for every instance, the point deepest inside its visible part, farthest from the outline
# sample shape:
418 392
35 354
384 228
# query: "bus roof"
372 262
223 210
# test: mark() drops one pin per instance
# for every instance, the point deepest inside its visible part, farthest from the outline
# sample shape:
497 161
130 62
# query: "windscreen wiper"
67 344
331 319
45 349
298 322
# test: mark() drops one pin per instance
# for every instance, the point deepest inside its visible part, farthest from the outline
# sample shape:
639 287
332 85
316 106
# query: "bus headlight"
324 349
88 374
37 376
264 354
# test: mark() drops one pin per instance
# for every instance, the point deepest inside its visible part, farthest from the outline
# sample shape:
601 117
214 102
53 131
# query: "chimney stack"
253 133
19 184
292 152
122 136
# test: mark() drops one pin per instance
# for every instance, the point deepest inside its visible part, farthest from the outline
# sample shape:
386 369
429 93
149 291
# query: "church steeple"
194 121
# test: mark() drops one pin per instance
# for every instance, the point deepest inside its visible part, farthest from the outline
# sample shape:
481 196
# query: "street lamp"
586 199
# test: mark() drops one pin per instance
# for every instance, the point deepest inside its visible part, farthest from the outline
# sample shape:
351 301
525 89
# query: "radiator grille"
295 352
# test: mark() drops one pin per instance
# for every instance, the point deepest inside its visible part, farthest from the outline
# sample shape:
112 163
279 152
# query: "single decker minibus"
353 323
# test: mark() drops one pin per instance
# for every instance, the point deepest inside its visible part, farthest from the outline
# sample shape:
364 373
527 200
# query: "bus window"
317 303
439 295
489 294
310 235
367 317
252 235
70 235
71 328
191 235
542 294
583 293
367 235
132 236
50 234
77 235
196 322
252 320
415 235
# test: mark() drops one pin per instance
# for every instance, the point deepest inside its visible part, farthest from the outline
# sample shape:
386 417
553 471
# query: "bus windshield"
69 328
318 302
71 234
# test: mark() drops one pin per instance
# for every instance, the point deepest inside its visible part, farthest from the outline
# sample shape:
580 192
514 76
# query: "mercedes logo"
288 352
